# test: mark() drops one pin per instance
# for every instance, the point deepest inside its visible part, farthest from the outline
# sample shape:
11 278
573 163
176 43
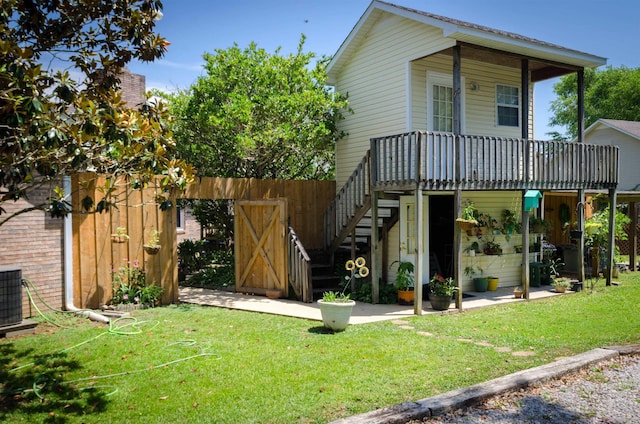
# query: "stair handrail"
348 200
299 268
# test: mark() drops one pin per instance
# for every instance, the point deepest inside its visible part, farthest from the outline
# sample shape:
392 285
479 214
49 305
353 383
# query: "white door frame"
407 231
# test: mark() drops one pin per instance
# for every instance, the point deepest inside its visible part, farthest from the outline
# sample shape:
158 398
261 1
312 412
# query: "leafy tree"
53 125
259 115
610 93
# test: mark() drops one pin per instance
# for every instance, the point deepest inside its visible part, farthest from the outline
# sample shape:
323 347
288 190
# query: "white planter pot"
335 315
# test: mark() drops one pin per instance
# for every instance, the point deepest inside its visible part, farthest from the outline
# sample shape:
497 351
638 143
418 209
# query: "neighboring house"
34 241
625 135
459 99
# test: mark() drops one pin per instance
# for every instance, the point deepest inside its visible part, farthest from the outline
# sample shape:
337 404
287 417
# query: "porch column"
612 234
457 248
581 194
457 85
375 267
419 248
580 217
633 237
525 249
524 77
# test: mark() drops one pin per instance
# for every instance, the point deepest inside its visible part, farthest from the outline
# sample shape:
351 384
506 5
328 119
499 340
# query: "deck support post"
580 218
525 249
611 249
457 248
633 237
419 248
375 242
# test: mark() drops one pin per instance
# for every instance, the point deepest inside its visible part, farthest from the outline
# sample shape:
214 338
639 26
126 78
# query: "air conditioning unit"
10 295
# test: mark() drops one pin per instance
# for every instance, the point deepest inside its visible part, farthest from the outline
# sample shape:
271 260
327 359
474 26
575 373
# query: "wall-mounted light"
474 86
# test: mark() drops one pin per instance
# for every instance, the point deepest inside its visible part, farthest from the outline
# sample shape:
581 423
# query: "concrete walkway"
362 312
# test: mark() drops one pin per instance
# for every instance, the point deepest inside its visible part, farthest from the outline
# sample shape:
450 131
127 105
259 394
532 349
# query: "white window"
180 218
442 107
440 102
508 105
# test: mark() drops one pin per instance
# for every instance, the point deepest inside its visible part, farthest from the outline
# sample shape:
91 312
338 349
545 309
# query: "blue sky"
607 28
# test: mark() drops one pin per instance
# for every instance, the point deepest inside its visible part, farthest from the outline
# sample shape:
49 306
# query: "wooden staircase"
347 224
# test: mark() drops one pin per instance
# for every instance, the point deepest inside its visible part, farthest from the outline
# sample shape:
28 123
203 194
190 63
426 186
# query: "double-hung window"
440 102
508 105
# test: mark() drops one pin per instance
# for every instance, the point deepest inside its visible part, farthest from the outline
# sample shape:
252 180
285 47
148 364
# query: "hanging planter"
120 236
151 250
153 245
466 224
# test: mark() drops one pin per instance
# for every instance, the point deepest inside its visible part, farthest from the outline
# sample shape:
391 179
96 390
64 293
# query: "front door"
408 232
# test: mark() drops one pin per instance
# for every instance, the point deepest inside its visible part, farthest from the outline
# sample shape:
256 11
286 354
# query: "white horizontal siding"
628 158
507 267
375 80
480 106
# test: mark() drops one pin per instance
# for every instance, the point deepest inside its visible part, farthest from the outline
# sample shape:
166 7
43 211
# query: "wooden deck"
444 161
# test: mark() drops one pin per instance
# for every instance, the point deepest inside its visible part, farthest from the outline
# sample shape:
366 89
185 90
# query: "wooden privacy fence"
96 255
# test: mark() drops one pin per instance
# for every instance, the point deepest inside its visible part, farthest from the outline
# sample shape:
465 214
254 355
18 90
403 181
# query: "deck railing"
443 161
299 268
352 196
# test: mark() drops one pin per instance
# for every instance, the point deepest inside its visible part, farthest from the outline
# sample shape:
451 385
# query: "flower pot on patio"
480 284
274 293
406 297
440 302
493 283
335 315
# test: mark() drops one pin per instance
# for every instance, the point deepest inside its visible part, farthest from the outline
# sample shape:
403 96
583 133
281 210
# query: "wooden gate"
261 246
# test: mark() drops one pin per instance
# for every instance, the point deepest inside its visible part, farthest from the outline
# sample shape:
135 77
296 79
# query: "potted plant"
479 283
468 219
561 284
473 248
493 283
404 283
131 290
441 291
510 223
518 292
539 225
492 247
153 244
336 307
120 236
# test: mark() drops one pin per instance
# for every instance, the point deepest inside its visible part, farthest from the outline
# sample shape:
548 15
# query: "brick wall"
191 228
133 87
34 243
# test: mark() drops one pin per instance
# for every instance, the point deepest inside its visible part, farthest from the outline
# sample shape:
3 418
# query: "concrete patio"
362 312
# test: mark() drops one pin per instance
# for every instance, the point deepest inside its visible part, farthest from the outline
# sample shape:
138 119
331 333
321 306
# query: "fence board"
96 256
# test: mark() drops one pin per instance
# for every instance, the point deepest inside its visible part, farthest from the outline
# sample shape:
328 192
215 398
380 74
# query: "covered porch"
363 313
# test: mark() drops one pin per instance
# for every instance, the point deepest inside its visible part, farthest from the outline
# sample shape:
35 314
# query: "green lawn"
185 364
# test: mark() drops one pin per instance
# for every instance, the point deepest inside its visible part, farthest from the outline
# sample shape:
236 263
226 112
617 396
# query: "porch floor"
362 312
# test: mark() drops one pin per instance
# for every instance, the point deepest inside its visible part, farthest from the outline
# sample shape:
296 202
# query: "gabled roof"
630 128
464 32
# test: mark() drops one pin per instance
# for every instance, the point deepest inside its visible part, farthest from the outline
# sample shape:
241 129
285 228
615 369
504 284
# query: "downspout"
68 264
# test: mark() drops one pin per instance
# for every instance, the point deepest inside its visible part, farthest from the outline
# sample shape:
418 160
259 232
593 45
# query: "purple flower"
136 299
125 297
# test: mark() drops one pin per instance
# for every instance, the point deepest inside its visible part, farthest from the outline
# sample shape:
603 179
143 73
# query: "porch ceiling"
540 69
